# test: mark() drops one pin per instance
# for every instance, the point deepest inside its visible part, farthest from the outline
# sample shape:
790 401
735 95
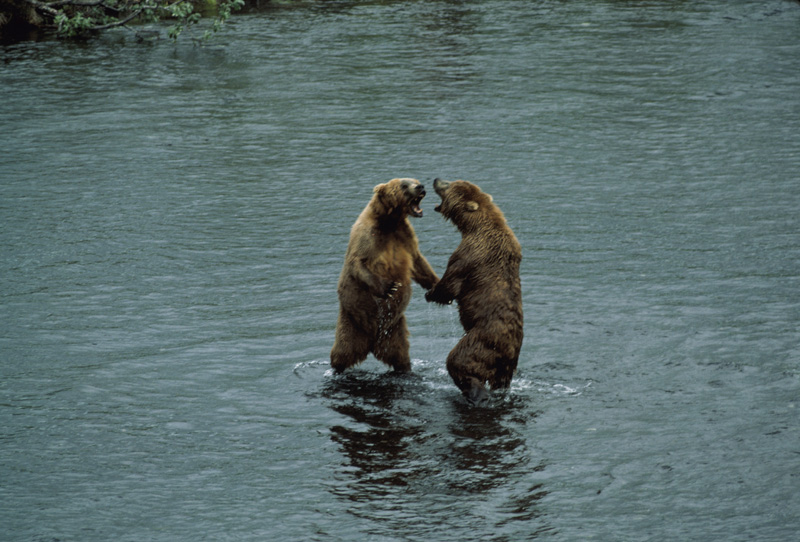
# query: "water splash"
305 368
541 386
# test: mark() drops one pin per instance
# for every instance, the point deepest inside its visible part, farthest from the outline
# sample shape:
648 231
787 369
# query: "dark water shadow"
410 446
379 435
488 444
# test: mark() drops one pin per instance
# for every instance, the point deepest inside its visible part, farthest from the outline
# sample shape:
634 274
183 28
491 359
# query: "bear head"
398 198
465 205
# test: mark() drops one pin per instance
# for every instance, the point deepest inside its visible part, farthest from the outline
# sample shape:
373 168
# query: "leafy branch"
78 18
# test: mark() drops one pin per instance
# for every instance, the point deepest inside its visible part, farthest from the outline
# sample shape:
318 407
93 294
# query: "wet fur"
482 275
375 284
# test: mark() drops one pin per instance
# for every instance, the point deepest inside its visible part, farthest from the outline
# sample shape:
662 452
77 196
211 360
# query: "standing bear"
375 285
482 275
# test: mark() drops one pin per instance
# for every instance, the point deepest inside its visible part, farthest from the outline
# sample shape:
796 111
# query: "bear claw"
393 289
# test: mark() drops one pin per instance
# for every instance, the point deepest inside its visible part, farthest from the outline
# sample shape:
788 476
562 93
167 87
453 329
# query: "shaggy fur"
375 284
482 275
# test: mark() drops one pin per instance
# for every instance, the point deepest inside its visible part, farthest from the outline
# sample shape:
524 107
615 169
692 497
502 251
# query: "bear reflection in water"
400 436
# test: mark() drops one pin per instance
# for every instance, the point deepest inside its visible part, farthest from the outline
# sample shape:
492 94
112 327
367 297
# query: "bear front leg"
440 293
423 273
449 287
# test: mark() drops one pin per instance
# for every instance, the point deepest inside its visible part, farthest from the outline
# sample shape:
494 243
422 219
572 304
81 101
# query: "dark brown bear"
483 277
375 285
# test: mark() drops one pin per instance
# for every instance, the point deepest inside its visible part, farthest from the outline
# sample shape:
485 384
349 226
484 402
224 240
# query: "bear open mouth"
414 204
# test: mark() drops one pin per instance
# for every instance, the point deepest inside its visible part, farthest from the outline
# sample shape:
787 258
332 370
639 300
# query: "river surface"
173 222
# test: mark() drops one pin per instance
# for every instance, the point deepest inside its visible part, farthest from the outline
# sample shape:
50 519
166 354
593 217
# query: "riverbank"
33 19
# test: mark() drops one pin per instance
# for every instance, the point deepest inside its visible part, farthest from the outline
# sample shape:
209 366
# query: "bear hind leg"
392 346
475 392
350 347
468 370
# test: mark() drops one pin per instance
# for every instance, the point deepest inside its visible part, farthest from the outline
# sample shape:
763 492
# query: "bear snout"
440 186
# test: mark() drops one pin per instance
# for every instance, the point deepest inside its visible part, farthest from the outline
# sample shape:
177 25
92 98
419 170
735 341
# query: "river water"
174 220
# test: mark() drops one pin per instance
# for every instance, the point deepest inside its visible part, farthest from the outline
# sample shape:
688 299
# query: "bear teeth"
416 210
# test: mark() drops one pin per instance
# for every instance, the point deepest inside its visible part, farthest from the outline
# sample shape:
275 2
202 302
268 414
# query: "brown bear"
375 284
482 275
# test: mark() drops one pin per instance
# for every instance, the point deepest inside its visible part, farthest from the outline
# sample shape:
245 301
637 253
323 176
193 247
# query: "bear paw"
430 297
393 287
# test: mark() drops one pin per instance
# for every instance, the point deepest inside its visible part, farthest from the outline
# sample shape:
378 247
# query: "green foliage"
71 27
184 13
79 18
223 14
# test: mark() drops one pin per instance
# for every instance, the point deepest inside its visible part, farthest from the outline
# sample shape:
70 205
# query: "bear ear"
472 206
491 199
385 203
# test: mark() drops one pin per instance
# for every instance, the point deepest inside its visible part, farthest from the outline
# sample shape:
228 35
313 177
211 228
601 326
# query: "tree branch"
82 4
44 8
121 22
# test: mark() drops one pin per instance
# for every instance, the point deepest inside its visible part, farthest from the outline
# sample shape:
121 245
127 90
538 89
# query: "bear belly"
394 264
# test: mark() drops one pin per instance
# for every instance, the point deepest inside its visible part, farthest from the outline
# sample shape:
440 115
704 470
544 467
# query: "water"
174 220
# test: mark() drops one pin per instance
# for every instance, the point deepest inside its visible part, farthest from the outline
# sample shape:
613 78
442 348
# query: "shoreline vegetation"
22 20
71 19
